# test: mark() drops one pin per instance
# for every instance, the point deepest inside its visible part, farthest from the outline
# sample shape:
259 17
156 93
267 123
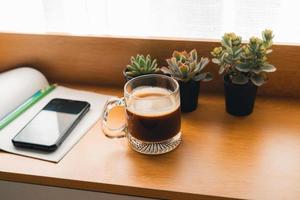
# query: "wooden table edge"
103 187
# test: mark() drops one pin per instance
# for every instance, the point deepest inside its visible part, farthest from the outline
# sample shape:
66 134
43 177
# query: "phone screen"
52 122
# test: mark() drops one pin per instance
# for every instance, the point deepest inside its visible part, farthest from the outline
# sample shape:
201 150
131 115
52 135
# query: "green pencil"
26 105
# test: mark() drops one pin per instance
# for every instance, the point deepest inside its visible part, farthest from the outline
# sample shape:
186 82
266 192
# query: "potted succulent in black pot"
245 67
186 69
140 65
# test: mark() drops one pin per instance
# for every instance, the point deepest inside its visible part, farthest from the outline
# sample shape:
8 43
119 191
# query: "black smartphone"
48 129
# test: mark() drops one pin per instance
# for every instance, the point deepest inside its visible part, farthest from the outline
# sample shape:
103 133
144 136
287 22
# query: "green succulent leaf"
131 73
221 69
267 35
136 65
130 68
148 63
243 67
244 61
173 67
193 67
239 79
154 64
256 69
269 51
184 69
203 63
223 57
224 44
194 55
199 77
206 76
132 59
216 61
229 51
268 68
176 55
141 65
257 79
166 70
238 51
185 66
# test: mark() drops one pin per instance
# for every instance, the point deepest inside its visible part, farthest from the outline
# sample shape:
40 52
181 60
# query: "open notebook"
16 86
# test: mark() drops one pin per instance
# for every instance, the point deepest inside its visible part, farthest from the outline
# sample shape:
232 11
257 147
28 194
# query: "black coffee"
153 114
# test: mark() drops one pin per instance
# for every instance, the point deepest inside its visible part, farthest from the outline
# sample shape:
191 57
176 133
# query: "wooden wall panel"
100 60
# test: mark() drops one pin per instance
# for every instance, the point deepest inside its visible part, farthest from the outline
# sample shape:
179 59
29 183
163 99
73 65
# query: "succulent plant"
185 66
244 62
141 65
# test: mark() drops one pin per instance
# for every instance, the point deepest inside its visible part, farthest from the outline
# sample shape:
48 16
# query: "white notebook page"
18 85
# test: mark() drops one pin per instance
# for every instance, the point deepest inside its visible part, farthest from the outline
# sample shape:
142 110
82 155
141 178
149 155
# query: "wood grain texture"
254 157
100 60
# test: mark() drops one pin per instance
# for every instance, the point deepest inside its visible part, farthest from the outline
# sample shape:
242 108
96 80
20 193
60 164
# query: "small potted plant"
186 69
245 67
140 65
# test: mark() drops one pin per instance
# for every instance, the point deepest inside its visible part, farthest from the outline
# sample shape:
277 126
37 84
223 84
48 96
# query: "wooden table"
254 157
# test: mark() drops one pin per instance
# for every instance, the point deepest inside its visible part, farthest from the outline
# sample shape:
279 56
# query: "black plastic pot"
189 92
239 99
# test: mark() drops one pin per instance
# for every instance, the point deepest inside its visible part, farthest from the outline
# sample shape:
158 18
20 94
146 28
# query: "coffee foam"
152 101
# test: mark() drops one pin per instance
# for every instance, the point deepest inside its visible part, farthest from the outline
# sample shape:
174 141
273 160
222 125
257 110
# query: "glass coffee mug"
153 118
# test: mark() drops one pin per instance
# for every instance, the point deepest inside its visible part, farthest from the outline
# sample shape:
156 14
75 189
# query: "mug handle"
119 132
